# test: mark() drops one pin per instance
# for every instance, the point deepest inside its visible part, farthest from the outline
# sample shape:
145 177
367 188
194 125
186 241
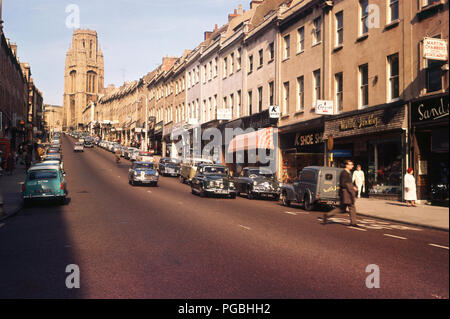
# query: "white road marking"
245 227
149 192
291 213
393 236
360 229
438 246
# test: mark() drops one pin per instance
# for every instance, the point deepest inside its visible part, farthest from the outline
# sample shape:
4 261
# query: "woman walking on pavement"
410 188
347 194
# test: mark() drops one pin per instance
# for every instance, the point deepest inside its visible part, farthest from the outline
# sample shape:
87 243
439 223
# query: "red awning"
261 139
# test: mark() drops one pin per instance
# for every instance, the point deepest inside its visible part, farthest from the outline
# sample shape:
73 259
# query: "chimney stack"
208 34
255 3
239 9
233 15
13 47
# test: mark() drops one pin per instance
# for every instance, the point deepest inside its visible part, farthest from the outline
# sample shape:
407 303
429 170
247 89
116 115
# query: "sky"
134 35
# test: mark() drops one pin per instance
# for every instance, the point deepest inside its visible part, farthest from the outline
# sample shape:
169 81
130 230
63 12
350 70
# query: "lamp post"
144 145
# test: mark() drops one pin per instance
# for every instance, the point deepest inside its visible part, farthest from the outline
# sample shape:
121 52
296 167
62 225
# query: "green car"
43 183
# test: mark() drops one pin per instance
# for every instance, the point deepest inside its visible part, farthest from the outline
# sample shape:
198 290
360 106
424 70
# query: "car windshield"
261 172
215 170
44 174
144 166
78 144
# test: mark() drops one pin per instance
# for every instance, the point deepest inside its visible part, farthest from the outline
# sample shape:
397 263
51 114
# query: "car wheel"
202 193
276 197
286 202
250 194
308 205
155 184
233 196
62 201
133 183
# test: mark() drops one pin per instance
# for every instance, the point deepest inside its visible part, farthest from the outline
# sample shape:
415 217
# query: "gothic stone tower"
83 76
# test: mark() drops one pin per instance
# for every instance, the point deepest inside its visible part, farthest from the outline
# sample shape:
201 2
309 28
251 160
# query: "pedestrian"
410 188
359 180
10 163
27 158
347 194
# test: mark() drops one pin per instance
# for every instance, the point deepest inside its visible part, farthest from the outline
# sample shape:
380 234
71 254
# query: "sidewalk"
10 191
423 215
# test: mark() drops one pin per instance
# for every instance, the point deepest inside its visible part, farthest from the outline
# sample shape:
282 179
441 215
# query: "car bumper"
170 172
265 192
219 191
44 196
151 179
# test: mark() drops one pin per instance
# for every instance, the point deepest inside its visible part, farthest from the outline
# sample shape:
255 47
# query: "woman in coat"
410 188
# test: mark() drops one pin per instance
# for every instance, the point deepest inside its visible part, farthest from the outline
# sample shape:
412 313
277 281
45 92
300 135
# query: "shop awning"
261 139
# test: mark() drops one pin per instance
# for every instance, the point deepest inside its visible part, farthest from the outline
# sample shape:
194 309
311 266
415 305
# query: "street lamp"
145 148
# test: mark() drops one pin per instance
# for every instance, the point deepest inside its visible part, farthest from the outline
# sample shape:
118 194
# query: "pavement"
434 217
10 188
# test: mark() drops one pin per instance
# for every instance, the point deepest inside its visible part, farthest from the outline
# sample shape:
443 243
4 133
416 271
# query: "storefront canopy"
261 139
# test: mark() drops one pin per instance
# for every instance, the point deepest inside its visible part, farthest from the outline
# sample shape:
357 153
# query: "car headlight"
280 185
135 174
255 183
231 184
211 184
156 174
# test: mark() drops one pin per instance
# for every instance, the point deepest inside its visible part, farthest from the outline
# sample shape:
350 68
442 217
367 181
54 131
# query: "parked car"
134 154
257 182
169 166
89 143
188 168
144 157
143 173
213 179
116 147
128 152
50 163
123 149
315 185
79 147
44 183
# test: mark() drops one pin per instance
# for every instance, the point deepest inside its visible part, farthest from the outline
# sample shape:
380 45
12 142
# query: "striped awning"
261 139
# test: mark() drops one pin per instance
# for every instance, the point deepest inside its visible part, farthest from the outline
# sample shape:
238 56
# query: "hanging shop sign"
274 112
324 107
435 49
430 110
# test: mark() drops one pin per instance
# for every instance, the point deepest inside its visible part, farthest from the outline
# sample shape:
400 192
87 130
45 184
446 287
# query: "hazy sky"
134 34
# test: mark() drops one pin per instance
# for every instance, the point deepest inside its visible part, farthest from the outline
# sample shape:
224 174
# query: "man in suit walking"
347 195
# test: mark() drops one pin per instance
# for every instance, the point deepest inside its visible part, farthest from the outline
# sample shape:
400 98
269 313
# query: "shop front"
376 139
249 148
429 147
156 139
301 145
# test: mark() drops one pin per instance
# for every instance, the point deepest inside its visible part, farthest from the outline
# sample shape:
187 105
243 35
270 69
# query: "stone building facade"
83 76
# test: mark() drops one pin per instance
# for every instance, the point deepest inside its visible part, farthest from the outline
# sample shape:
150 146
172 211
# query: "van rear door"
329 184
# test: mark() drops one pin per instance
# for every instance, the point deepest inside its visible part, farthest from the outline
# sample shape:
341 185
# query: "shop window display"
384 176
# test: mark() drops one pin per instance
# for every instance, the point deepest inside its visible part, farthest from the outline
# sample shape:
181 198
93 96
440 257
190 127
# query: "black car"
169 166
257 182
212 179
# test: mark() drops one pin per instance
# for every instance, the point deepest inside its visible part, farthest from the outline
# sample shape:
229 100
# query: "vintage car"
169 166
50 163
188 168
315 185
143 173
89 143
78 147
129 152
43 183
258 182
144 157
213 179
